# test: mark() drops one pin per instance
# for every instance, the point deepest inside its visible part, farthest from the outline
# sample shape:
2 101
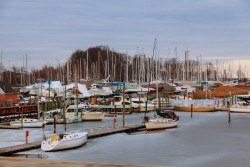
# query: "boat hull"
35 124
161 124
93 116
69 141
143 108
240 109
195 109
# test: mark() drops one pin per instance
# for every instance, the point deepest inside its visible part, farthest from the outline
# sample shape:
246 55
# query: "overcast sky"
49 31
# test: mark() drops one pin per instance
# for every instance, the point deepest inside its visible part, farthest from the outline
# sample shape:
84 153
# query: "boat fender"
53 138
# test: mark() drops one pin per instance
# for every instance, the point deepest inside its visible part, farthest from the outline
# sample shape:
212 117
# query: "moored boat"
92 116
28 123
64 141
204 105
160 123
240 107
195 109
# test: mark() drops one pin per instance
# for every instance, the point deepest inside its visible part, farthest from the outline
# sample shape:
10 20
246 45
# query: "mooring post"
21 118
54 123
114 121
191 110
229 115
27 137
139 109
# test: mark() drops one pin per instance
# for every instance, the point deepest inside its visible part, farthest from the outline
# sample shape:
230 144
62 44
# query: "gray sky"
48 31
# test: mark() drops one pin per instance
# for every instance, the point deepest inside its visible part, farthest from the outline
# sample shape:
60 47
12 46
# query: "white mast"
107 62
156 72
1 67
127 67
87 73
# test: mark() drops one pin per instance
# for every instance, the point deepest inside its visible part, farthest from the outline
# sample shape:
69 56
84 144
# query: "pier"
22 147
9 127
24 162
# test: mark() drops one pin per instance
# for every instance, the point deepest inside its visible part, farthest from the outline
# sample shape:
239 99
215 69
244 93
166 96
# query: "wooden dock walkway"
24 162
22 147
9 127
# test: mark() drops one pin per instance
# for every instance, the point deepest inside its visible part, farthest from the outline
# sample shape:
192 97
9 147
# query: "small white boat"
28 123
64 141
92 116
160 123
139 105
240 108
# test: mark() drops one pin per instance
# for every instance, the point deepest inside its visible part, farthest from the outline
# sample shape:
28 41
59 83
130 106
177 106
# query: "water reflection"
156 131
36 156
144 131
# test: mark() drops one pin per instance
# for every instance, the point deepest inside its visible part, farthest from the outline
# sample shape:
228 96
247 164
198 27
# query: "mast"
107 62
38 113
26 65
156 75
127 67
64 103
150 70
1 66
176 65
87 73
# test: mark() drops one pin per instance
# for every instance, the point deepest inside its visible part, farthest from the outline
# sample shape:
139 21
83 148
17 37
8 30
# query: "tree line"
101 63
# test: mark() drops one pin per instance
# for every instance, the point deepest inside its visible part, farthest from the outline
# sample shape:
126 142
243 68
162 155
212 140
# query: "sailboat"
65 140
162 120
28 123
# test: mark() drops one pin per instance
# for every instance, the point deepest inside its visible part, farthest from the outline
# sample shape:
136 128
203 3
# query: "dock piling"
27 137
191 110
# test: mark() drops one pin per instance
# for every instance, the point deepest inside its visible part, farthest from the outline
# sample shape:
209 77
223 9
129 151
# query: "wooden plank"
9 127
17 148
24 162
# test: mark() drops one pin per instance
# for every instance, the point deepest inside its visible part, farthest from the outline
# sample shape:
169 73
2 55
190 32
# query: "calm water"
205 140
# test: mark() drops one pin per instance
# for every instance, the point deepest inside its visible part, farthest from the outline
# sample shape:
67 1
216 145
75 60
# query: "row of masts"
131 69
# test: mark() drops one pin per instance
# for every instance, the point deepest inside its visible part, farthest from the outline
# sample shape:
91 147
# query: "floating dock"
103 132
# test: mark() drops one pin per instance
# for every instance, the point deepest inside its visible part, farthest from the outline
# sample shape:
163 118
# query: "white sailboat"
64 140
28 123
161 121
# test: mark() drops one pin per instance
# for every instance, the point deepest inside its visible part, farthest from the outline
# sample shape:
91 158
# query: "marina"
125 83
201 136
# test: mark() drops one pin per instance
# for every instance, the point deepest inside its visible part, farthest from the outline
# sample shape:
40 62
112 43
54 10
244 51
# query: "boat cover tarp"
81 87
